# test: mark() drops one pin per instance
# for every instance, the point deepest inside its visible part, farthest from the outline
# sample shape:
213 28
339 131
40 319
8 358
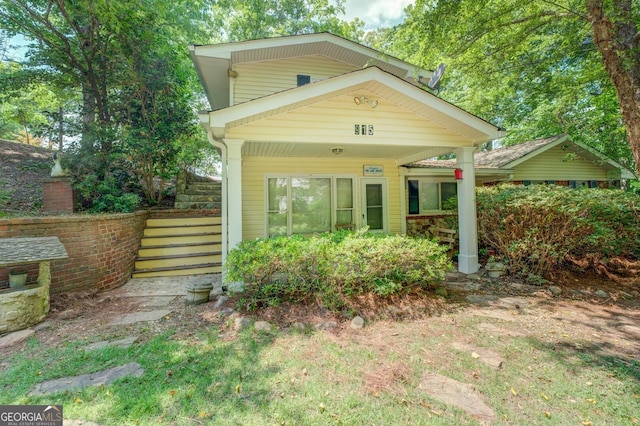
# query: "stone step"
187 205
209 198
205 185
202 191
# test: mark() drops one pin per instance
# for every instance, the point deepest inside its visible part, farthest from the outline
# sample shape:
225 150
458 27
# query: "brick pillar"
58 195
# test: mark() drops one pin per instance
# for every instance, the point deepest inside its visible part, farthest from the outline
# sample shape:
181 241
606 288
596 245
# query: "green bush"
536 227
332 268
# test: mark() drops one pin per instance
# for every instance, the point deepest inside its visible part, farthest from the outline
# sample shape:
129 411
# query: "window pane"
310 205
429 197
277 224
277 194
344 217
344 193
447 190
374 195
414 200
374 217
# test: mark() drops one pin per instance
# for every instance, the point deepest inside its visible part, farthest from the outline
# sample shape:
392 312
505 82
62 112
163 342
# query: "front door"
374 204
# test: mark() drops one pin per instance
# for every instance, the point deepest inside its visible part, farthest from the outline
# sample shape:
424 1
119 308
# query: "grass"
317 378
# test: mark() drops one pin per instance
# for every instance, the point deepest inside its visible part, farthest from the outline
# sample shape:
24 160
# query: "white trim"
467 218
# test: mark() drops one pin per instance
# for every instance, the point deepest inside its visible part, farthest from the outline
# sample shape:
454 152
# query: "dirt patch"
23 169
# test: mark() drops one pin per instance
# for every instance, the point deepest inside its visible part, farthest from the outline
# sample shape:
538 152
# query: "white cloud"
377 13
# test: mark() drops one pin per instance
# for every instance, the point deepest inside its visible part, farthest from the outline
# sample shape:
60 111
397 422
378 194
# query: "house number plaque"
364 129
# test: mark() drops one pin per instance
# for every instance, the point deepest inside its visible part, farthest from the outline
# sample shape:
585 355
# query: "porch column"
467 219
234 195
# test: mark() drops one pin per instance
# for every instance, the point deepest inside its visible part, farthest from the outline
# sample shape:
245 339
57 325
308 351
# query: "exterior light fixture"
337 150
364 100
457 173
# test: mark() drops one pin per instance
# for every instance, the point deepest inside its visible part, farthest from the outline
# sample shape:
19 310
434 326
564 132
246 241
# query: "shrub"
536 227
332 268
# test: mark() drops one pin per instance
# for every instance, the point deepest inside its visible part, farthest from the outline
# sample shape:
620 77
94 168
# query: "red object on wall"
458 174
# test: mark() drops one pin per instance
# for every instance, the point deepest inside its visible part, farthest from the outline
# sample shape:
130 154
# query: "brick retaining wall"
102 248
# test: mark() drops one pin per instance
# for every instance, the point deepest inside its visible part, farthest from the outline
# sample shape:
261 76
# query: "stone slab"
167 286
122 343
15 337
460 395
489 357
104 377
140 317
480 299
156 301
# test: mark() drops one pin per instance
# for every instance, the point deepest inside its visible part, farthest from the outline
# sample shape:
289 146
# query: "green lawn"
210 375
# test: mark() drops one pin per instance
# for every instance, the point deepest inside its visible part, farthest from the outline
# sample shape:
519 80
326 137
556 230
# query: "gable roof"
511 156
214 61
459 127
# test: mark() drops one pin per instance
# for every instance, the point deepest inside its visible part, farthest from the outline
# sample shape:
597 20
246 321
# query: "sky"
377 13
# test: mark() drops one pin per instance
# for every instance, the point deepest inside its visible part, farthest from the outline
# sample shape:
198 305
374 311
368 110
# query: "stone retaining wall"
419 226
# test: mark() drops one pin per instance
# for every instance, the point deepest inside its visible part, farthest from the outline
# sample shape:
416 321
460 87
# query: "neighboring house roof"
213 62
510 156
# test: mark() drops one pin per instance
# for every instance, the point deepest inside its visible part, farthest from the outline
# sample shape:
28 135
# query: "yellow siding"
254 170
258 79
549 165
335 119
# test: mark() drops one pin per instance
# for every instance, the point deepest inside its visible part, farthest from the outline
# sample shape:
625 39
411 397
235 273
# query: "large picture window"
308 204
427 196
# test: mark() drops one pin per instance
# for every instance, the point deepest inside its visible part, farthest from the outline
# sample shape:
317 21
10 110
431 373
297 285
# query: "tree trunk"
615 57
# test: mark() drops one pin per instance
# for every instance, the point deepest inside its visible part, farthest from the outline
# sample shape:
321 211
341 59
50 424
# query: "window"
303 79
429 196
308 204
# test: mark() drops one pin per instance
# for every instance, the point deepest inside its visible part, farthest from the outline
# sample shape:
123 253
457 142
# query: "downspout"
224 209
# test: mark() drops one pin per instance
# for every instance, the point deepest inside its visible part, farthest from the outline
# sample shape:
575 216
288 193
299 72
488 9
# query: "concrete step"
205 185
177 262
183 221
180 250
187 205
173 272
182 230
202 191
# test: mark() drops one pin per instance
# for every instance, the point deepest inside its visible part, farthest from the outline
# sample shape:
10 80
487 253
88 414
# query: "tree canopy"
537 67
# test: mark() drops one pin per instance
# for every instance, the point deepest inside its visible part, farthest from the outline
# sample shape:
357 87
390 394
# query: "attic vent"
303 79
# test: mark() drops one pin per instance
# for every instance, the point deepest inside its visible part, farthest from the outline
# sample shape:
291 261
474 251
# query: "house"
315 132
555 160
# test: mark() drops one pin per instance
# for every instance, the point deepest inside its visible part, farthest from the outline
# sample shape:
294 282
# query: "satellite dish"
434 83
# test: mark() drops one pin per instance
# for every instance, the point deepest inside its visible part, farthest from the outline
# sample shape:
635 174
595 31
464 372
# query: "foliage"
536 227
5 193
530 67
106 195
332 268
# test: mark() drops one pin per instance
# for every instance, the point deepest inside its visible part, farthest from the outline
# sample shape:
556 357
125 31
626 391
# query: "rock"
460 395
601 294
463 286
474 277
140 317
626 296
299 326
220 301
225 312
479 299
491 358
555 291
15 337
241 323
357 323
262 326
327 325
99 378
441 291
43 326
122 343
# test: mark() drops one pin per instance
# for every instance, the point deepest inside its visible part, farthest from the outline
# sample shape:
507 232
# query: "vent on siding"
303 79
